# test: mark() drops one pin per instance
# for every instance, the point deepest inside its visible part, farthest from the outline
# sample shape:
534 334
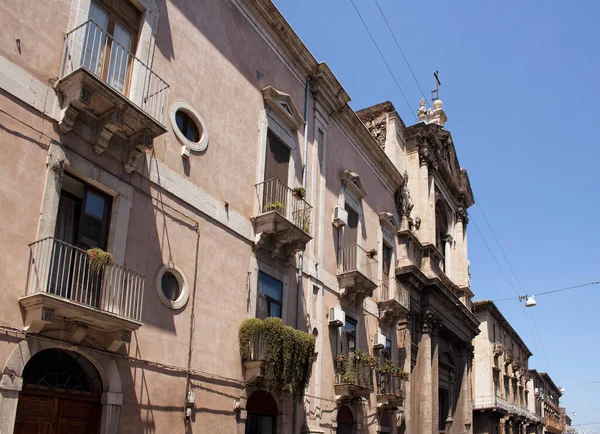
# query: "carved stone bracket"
141 144
107 126
68 115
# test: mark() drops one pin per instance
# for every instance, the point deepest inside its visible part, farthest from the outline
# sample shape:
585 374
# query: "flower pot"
297 195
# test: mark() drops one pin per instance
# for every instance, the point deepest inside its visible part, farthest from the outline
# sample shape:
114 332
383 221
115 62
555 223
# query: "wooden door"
47 414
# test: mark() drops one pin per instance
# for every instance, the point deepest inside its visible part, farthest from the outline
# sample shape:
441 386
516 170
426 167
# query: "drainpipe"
299 310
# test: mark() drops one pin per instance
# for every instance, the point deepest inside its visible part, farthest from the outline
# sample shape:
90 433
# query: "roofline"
489 305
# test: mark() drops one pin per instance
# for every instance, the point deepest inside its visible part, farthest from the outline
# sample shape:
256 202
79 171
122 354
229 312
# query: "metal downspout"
301 265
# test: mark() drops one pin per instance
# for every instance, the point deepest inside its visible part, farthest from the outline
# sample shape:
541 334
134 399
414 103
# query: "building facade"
502 396
547 403
165 178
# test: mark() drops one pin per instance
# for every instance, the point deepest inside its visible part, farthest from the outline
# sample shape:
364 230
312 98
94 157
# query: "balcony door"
275 187
81 224
349 256
83 215
109 41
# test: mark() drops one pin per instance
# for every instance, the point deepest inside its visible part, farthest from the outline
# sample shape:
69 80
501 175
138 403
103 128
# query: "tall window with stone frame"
110 40
270 295
441 232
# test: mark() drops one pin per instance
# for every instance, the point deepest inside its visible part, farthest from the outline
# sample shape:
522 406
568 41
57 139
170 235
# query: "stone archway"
61 393
11 382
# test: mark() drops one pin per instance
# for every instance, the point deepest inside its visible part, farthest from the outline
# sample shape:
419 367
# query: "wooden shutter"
277 159
351 229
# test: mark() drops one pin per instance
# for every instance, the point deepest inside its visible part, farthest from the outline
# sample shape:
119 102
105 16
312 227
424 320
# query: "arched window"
345 420
262 413
62 371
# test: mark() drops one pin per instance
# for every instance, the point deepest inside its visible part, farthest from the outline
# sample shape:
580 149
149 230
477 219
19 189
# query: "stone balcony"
394 301
65 293
283 220
357 273
353 379
390 393
105 89
492 402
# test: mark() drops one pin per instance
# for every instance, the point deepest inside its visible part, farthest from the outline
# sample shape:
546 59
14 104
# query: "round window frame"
184 293
185 107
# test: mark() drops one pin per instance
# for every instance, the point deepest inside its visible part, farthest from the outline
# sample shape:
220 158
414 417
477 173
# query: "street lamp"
529 300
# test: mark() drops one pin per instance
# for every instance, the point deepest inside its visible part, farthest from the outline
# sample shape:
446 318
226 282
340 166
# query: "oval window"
170 286
187 126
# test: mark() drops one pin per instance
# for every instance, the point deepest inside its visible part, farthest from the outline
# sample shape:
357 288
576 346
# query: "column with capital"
435 377
461 264
425 382
447 239
426 190
465 404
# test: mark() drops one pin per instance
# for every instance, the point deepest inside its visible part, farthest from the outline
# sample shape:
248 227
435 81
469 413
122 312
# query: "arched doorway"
61 394
345 420
262 413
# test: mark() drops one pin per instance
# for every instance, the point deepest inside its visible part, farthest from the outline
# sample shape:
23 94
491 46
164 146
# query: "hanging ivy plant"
288 353
99 259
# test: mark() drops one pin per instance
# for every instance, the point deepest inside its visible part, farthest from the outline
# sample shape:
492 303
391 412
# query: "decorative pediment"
352 182
389 221
284 106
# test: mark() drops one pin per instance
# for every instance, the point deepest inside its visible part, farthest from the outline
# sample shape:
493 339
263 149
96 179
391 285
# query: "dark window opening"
270 295
187 126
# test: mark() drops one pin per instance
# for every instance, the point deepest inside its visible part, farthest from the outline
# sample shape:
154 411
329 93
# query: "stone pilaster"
425 382
435 377
427 230
10 386
111 412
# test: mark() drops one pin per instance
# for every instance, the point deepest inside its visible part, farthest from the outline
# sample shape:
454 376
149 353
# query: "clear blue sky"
520 88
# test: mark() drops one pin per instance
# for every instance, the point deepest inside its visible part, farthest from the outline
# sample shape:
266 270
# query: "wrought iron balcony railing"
354 373
275 196
65 271
90 47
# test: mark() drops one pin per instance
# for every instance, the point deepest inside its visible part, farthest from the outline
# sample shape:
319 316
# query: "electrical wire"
582 384
384 61
400 49
595 282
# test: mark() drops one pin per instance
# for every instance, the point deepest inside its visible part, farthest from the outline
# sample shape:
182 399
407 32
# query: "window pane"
275 310
270 287
119 58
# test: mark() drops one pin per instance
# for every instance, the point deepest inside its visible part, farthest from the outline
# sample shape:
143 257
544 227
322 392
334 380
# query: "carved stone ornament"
435 115
428 322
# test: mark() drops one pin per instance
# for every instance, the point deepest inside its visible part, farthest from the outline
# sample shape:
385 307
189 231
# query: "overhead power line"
595 282
384 61
582 384
400 49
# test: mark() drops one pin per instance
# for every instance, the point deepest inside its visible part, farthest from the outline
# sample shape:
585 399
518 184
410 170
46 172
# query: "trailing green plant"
99 259
250 333
274 206
348 372
288 354
299 192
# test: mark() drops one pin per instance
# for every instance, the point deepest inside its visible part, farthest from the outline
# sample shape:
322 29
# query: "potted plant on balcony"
274 206
341 357
99 259
372 253
299 193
